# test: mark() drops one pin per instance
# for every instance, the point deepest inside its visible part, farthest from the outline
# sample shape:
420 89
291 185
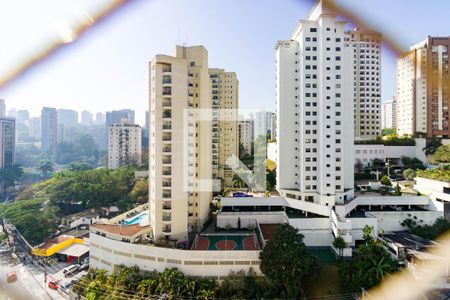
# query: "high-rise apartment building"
117 116
35 128
100 118
67 117
124 145
273 126
366 48
12 113
423 89
262 123
87 118
314 72
7 144
2 108
246 135
23 116
179 148
388 114
225 131
49 131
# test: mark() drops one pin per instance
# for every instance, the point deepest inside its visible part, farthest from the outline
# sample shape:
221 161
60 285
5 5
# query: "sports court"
226 242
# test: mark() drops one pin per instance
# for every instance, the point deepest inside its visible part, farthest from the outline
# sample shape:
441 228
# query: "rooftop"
125 230
408 240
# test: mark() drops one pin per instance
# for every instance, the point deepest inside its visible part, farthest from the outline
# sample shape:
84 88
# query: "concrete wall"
391 220
108 254
316 231
249 218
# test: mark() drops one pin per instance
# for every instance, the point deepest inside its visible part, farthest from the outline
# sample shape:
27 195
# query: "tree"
389 132
339 243
385 181
140 190
45 167
285 260
378 164
237 181
9 175
370 265
432 146
79 166
442 155
412 163
409 174
368 233
397 191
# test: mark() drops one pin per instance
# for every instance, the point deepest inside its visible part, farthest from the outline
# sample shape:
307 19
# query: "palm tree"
380 268
9 175
237 181
45 166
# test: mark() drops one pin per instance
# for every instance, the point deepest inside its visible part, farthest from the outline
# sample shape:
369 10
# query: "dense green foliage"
412 163
441 155
81 149
285 260
45 167
389 131
132 283
430 232
33 218
391 140
436 174
432 146
385 181
409 174
368 267
9 175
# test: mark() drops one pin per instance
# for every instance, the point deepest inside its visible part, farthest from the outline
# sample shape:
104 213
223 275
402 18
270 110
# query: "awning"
76 250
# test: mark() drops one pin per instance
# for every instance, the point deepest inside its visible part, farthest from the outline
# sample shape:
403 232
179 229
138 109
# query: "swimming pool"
141 219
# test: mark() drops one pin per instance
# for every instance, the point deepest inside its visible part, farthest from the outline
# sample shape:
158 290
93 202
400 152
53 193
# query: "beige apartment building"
124 145
225 131
180 156
423 89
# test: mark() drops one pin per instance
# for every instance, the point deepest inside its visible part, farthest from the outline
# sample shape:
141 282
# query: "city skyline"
232 49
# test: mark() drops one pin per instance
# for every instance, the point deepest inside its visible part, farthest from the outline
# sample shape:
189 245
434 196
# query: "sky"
106 67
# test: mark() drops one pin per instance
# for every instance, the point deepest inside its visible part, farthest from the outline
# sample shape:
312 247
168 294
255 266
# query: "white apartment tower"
246 135
180 171
388 114
124 145
225 131
423 89
366 48
314 73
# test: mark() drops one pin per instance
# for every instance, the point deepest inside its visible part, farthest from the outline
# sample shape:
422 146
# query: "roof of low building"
252 201
125 230
408 240
76 250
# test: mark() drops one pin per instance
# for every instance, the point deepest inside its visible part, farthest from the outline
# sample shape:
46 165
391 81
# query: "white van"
70 269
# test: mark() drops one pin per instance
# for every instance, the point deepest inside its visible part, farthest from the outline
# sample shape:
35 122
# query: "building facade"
180 149
35 128
67 117
124 145
86 118
246 135
423 93
366 48
389 114
2 108
116 116
7 144
314 104
49 131
225 131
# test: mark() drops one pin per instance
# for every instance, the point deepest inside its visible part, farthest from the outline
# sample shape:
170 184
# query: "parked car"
85 261
65 287
70 269
54 284
78 277
84 266
11 277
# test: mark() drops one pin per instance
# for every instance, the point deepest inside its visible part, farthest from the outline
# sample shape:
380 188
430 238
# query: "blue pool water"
137 219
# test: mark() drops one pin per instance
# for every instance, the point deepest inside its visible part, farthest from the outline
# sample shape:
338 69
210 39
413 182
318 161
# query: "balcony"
167 206
167 69
166 126
166 229
167 184
166 114
167 173
167 150
167 104
167 195
167 79
167 138
167 218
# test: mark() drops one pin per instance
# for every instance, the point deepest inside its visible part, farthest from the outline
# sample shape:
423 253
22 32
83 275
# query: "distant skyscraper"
7 144
125 145
35 128
67 117
262 123
366 48
388 114
423 89
117 116
100 118
273 126
2 108
23 116
146 121
12 113
60 133
49 129
86 118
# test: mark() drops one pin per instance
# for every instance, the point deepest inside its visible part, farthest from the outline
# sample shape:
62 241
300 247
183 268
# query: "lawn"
326 285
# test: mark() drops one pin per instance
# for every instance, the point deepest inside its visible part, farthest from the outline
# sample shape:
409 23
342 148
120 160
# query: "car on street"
71 269
54 284
65 287
11 277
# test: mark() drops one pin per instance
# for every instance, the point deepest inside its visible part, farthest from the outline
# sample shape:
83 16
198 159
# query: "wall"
390 221
272 152
107 254
316 231
249 218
